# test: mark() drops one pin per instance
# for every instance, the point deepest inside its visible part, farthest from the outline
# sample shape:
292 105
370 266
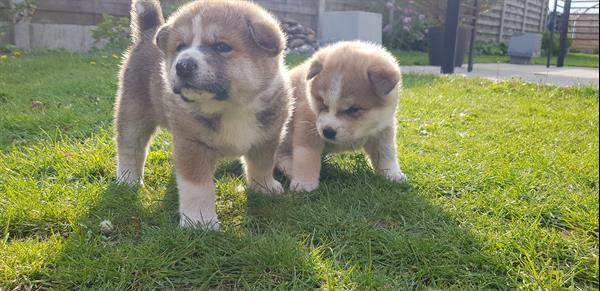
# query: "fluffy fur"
345 98
214 75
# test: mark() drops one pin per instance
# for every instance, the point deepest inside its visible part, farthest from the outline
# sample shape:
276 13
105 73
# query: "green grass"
503 194
420 58
573 59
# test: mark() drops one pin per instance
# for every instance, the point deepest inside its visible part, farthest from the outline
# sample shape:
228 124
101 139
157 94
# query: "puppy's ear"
315 68
162 37
267 36
383 80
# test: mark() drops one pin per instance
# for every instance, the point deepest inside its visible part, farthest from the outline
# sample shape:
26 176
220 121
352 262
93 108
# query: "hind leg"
134 126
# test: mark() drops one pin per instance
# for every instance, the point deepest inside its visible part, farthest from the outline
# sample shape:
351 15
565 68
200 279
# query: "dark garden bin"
435 44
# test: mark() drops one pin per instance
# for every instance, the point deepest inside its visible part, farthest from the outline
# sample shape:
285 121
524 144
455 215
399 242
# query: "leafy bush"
112 32
555 44
408 30
491 48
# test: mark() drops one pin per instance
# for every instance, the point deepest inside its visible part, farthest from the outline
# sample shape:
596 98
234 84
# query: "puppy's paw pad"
131 182
299 186
212 224
272 187
396 177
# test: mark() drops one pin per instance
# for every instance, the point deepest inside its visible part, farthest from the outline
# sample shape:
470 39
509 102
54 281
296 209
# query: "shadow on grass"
357 231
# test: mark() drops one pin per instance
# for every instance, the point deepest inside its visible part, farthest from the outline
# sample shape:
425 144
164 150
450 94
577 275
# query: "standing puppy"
214 75
345 98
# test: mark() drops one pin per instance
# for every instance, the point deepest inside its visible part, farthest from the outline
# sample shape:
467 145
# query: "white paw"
130 180
272 187
396 176
304 186
198 222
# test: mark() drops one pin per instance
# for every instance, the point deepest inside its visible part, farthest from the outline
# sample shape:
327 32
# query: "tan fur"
246 120
337 78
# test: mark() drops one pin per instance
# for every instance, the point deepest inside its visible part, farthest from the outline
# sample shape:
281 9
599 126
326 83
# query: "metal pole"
553 28
473 33
524 24
502 18
320 16
564 30
450 36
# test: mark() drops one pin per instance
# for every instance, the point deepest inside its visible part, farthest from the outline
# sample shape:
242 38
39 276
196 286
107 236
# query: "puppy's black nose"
186 68
329 133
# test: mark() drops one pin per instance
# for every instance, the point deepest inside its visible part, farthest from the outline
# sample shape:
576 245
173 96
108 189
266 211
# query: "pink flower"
389 5
421 17
387 28
407 20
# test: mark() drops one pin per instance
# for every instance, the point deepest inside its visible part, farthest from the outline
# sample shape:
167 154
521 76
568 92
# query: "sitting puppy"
214 75
345 98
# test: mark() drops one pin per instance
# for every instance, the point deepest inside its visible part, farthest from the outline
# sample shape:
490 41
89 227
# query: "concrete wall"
68 23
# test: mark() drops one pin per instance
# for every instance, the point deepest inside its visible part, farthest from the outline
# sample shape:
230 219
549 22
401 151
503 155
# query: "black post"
564 30
552 30
450 36
473 33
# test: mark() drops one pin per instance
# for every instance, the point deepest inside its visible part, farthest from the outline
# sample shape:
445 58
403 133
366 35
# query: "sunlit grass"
503 194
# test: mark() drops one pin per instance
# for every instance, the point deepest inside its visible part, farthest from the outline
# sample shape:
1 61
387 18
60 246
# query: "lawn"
421 58
502 194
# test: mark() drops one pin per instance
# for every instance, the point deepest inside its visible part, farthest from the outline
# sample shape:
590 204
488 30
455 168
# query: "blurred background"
404 25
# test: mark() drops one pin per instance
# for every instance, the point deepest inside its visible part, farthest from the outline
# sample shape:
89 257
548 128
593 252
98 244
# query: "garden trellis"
574 22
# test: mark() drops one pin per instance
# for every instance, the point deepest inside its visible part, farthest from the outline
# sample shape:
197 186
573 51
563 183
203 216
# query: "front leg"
258 166
306 166
383 153
194 170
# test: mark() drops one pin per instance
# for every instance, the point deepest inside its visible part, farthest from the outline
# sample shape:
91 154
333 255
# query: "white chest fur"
238 132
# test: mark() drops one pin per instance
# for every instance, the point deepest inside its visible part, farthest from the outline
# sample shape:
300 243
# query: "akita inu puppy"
345 98
214 75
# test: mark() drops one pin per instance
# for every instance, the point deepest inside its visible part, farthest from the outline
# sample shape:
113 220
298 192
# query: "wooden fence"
584 30
510 16
68 23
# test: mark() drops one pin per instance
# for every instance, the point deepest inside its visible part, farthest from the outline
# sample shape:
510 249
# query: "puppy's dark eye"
322 105
353 110
221 47
181 46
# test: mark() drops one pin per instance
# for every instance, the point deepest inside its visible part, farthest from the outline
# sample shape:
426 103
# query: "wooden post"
7 36
502 16
22 29
450 36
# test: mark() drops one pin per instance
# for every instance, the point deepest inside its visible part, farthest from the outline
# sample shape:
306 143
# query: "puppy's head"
353 90
221 52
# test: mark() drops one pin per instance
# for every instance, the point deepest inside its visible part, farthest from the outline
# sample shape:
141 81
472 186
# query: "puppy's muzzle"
329 133
186 68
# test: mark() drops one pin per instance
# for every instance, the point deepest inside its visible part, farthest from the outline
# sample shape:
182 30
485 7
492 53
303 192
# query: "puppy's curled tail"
146 18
